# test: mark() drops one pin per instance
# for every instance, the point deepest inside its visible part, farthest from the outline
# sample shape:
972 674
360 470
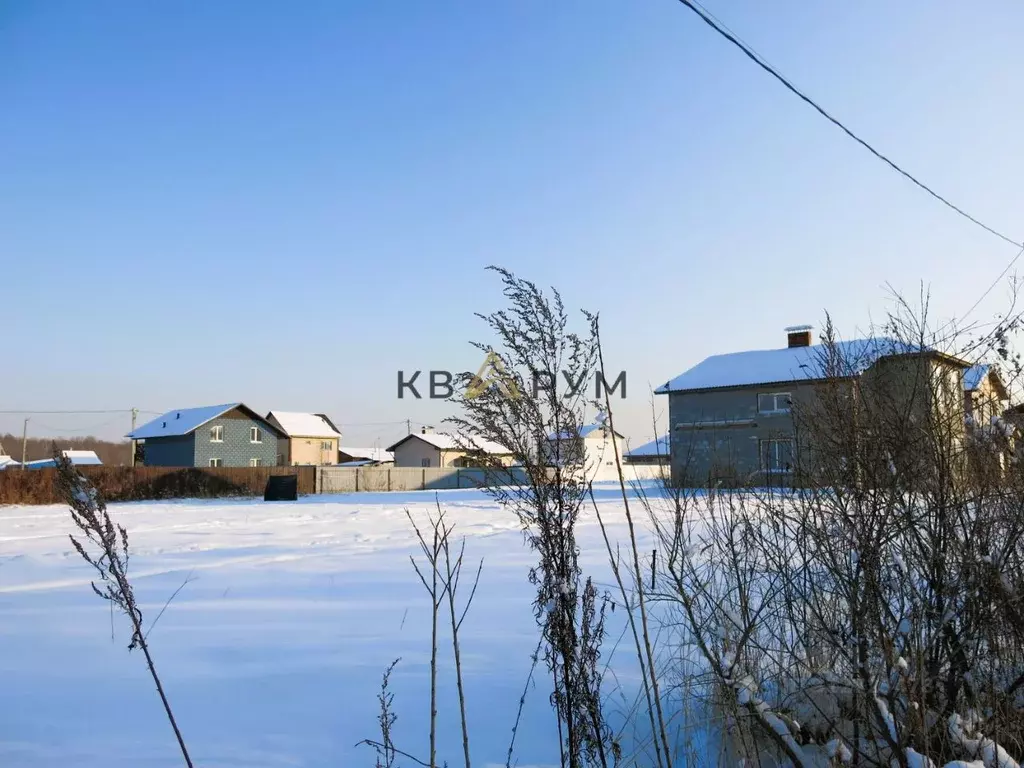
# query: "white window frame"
326 445
255 435
217 433
775 396
255 462
771 445
215 462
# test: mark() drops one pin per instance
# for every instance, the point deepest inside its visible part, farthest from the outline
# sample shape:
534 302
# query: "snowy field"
272 652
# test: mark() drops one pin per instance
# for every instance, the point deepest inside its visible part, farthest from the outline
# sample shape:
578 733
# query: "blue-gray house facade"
228 435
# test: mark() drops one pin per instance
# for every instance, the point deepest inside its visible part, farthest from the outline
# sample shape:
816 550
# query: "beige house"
985 395
593 446
439 449
309 438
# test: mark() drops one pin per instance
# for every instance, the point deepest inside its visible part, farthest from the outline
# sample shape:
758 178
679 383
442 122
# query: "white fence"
387 478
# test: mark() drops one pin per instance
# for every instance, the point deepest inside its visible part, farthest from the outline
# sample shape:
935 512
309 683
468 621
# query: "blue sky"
287 203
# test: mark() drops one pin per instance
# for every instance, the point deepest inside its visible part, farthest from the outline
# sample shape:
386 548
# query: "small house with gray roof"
657 452
229 435
440 449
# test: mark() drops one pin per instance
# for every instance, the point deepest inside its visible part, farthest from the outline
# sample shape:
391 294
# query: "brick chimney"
799 336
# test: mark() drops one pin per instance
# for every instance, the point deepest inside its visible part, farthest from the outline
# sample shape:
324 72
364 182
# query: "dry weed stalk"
105 548
440 575
538 425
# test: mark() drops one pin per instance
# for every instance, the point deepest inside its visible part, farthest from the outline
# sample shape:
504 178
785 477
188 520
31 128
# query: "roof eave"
808 380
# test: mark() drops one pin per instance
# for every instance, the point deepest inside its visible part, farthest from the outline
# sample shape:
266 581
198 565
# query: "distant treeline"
111 454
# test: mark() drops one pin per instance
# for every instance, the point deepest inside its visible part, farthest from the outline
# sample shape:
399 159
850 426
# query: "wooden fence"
36 486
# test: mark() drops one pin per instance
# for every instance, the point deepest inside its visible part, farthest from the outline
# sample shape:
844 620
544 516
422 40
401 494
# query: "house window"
255 462
775 402
216 463
777 455
325 445
216 435
424 462
255 435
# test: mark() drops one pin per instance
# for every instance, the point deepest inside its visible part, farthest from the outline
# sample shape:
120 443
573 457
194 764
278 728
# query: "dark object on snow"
282 488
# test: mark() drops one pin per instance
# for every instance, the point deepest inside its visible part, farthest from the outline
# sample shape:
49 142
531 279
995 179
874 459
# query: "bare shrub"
871 614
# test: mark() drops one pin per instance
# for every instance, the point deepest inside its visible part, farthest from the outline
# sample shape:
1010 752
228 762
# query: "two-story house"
732 415
229 435
310 438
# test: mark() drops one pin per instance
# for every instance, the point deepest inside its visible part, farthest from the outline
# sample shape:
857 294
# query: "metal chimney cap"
798 328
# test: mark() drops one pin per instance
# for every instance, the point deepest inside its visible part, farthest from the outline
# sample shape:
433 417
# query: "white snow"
369 454
769 366
272 652
181 421
659 446
296 424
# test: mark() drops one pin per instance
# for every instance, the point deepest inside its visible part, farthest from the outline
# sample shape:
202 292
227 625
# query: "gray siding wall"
714 451
169 451
237 449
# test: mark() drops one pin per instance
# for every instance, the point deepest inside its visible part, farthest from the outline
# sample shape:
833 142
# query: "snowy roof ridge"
789 364
299 424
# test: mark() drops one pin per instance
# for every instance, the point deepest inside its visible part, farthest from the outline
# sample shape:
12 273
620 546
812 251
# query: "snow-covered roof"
448 442
186 420
369 454
769 366
585 431
77 458
974 375
82 457
659 446
180 422
303 424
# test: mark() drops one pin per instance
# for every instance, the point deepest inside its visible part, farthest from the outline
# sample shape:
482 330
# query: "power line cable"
995 282
44 413
76 430
720 28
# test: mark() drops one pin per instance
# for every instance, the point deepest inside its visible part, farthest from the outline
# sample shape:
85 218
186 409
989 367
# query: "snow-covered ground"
272 652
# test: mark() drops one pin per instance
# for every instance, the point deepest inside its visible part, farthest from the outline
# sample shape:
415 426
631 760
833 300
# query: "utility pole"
24 444
135 415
